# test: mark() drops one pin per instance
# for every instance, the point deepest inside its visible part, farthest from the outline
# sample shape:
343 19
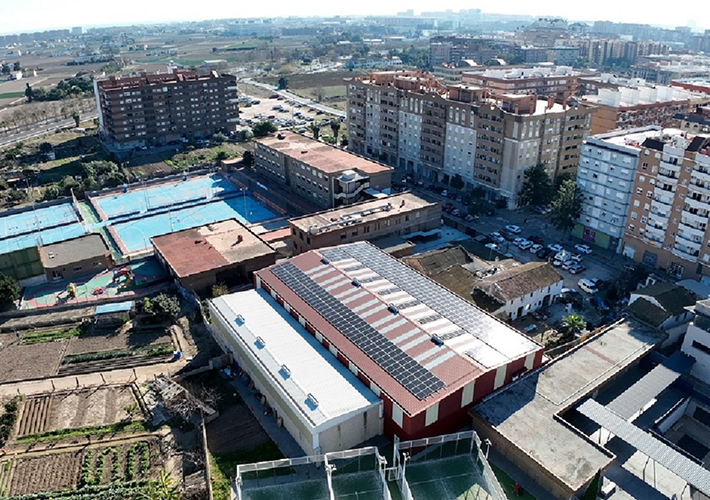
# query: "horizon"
19 19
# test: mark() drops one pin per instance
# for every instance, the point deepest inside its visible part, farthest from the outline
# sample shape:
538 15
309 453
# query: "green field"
12 95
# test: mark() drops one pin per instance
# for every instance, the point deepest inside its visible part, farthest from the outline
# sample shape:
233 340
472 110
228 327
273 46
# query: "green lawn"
12 95
224 467
508 484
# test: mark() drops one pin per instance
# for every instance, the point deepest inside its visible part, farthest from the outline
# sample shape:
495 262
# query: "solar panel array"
501 342
410 374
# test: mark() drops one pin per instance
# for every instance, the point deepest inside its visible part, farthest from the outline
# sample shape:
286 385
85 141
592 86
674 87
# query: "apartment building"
405 215
670 205
327 176
639 106
436 132
605 177
452 49
559 82
155 109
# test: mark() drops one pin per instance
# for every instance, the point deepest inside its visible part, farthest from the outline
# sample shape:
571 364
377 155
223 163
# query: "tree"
264 128
222 155
283 83
457 182
248 159
45 147
537 187
77 118
9 291
162 489
561 178
593 489
335 127
29 94
573 324
314 127
219 289
567 206
162 307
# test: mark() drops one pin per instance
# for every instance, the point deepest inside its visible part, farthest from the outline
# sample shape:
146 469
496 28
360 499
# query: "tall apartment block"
605 177
667 224
155 109
559 82
409 119
326 176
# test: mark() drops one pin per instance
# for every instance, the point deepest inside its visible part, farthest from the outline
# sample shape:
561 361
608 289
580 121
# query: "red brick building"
427 353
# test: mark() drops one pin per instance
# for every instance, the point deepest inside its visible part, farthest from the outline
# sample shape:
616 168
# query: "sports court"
354 475
39 226
450 467
135 214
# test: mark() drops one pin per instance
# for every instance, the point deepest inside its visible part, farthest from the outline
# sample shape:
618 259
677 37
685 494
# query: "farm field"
99 348
93 407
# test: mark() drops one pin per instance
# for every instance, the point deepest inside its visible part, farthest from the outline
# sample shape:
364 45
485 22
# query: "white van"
587 286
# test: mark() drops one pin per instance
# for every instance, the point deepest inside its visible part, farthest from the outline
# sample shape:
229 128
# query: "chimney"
401 204
240 238
550 102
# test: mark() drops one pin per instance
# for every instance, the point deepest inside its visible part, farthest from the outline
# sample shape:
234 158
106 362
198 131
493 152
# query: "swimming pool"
135 234
145 198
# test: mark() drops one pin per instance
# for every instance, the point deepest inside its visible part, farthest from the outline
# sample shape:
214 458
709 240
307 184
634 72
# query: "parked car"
583 248
507 234
576 257
525 245
587 285
596 282
535 248
471 218
577 268
567 264
557 262
555 248
492 246
544 253
445 193
513 229
530 328
517 241
536 239
497 237
542 210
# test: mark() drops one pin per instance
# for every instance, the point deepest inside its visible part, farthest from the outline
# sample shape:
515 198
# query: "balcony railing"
685 254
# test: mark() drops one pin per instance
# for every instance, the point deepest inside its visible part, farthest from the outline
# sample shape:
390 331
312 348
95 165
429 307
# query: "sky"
38 15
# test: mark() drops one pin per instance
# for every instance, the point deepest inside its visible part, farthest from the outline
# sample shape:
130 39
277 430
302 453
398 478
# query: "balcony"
685 254
658 234
687 240
699 204
694 219
699 173
692 228
704 190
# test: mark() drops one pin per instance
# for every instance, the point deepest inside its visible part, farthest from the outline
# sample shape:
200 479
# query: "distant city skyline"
43 15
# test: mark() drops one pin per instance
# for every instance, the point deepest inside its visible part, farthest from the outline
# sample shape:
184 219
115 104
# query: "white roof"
275 340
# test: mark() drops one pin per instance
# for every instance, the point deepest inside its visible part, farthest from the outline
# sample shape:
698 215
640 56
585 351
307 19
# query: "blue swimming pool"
146 198
136 234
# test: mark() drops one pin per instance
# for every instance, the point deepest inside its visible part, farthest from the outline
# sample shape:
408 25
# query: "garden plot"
84 408
30 361
83 469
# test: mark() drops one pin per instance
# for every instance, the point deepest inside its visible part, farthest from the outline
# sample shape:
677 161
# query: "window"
634 215
77 268
631 228
701 347
397 414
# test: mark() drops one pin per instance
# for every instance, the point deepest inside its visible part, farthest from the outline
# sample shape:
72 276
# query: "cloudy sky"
37 15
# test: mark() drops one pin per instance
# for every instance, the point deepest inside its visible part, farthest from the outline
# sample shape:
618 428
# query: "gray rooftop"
526 412
680 465
68 252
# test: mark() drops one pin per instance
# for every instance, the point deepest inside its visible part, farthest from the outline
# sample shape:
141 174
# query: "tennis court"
39 226
151 197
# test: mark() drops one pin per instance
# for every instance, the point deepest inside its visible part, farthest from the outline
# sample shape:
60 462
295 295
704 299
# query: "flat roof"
366 211
68 252
295 362
633 138
319 155
416 340
527 412
213 246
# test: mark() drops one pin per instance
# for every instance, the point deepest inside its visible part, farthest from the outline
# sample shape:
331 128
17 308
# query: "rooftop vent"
311 400
437 340
239 319
304 151
324 260
260 343
393 309
285 371
280 137
356 283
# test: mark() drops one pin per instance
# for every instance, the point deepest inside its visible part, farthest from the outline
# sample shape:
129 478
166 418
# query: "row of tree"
71 87
561 195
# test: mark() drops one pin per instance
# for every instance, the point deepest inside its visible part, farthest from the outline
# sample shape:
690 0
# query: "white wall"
531 304
701 368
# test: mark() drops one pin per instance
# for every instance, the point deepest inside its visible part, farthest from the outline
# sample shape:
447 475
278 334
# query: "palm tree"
335 127
314 127
163 489
573 324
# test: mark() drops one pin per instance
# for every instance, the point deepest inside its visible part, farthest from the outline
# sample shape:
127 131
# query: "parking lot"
285 113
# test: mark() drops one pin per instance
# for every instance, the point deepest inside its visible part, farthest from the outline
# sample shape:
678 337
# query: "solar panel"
499 337
413 376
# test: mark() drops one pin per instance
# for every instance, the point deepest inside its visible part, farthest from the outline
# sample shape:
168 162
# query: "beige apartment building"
411 120
667 223
404 215
327 176
559 82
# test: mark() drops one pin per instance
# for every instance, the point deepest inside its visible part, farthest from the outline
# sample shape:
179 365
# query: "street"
39 130
296 98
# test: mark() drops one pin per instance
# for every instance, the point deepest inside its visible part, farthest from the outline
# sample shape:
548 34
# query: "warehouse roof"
416 340
321 389
213 246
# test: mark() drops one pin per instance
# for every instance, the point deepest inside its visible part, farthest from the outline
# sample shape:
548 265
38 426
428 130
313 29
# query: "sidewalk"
279 435
138 375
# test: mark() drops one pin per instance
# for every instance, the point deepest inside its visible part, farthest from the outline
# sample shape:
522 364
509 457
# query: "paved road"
39 130
301 100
